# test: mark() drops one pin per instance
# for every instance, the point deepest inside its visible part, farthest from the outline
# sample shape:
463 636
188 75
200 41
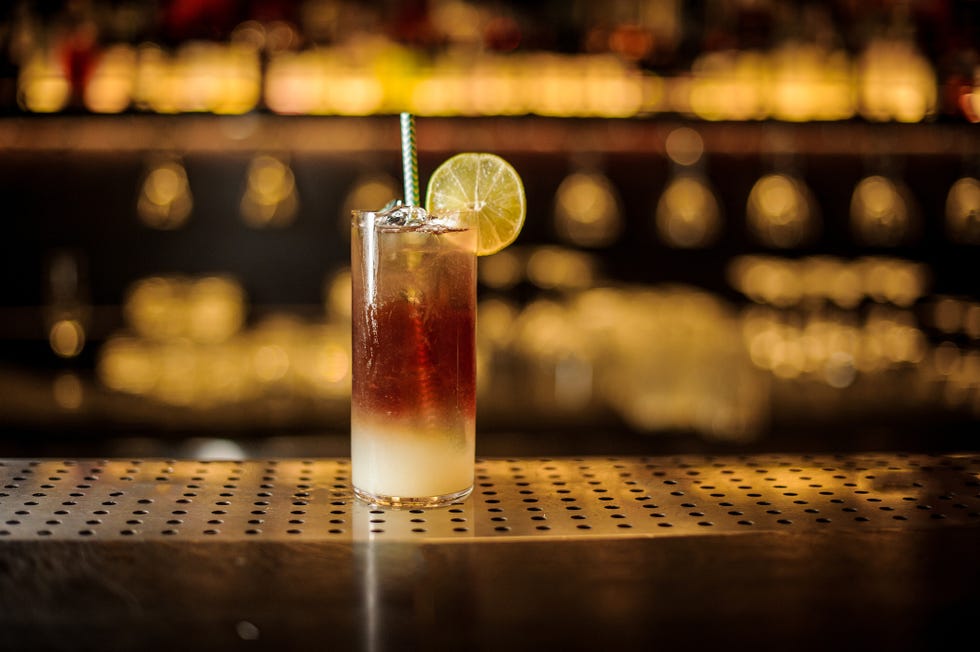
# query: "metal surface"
513 498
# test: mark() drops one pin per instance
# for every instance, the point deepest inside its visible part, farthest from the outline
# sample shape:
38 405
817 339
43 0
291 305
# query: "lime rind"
487 184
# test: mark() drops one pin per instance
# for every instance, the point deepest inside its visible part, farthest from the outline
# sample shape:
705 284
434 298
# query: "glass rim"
461 217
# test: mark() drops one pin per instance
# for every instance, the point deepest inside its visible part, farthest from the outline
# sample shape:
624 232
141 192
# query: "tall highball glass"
413 401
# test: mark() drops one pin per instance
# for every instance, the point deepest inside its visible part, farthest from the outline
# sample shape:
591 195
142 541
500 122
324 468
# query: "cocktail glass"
413 401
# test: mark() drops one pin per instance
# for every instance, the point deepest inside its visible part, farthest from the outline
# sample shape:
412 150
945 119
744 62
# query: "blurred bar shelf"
437 135
858 551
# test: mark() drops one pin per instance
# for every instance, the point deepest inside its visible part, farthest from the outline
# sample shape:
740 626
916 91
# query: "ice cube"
402 216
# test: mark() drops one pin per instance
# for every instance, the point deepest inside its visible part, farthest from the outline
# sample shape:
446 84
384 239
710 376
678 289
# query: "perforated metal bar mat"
283 499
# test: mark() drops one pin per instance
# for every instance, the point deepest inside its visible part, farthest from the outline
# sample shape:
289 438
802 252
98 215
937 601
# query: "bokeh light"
963 211
42 86
896 82
270 198
588 210
684 146
370 191
165 201
111 86
67 338
688 215
882 213
781 211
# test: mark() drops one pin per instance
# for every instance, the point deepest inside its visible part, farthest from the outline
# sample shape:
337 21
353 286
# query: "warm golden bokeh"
264 63
587 210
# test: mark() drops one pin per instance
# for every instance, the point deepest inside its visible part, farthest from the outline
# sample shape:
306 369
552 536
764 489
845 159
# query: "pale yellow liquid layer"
395 461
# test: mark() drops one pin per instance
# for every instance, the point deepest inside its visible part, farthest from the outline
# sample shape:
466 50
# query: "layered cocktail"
413 403
413 272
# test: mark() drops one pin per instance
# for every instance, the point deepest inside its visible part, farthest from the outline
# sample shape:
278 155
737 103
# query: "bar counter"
763 551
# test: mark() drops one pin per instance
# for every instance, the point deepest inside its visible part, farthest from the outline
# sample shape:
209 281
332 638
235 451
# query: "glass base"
412 501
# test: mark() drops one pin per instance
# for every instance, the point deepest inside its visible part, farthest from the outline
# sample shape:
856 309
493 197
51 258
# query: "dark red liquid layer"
414 363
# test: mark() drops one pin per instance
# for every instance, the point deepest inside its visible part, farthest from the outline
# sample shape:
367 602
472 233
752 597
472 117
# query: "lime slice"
484 183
